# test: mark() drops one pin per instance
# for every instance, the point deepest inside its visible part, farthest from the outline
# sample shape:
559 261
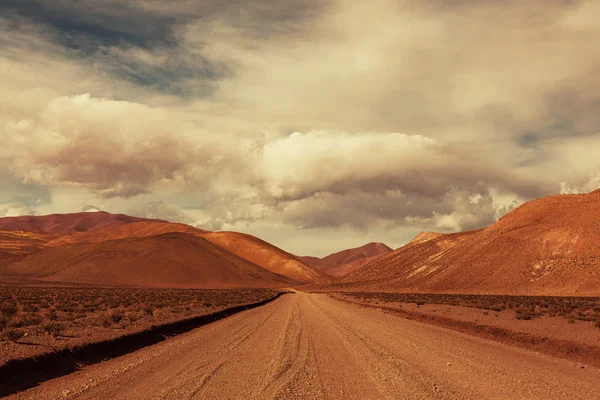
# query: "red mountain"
547 246
346 261
267 256
77 244
174 260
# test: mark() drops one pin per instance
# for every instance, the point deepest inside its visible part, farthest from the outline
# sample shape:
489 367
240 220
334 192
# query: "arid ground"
312 346
108 306
40 320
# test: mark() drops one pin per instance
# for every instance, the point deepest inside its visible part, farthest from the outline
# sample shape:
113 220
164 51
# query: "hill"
346 261
130 230
17 244
547 246
173 260
267 256
25 237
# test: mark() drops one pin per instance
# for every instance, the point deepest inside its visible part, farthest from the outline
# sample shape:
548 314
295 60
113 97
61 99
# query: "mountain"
40 244
267 256
67 223
245 246
14 245
346 261
131 230
548 246
173 260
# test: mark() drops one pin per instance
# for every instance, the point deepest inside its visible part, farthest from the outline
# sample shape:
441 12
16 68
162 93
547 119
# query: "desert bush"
13 334
53 328
30 308
107 321
52 316
3 323
8 309
134 316
148 310
524 314
28 320
116 316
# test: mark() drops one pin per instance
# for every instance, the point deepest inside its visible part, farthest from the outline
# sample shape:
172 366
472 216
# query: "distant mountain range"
343 262
98 248
549 246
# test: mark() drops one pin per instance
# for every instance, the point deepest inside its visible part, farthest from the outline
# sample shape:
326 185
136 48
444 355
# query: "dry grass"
72 312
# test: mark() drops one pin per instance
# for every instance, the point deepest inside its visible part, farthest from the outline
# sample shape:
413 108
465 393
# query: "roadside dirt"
312 346
578 341
582 332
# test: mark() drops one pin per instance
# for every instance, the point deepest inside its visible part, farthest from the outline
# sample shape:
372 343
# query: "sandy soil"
313 346
581 332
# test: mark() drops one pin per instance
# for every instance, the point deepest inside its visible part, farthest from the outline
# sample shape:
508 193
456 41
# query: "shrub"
53 328
113 318
30 308
107 321
148 310
52 315
9 309
20 322
3 323
524 314
116 316
13 335
134 316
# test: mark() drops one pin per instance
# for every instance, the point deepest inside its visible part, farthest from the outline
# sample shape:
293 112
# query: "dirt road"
310 346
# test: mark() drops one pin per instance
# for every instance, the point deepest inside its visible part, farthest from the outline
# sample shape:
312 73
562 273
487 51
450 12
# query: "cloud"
331 179
15 210
160 210
304 164
90 208
113 148
581 185
328 116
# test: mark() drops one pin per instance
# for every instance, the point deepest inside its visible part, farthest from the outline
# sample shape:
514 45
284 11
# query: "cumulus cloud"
113 148
303 164
15 210
582 185
330 179
379 116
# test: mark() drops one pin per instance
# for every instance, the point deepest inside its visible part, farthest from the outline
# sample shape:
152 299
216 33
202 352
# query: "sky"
316 125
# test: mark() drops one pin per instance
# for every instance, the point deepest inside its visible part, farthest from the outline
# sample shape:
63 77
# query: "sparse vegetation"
53 328
525 307
80 315
14 334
